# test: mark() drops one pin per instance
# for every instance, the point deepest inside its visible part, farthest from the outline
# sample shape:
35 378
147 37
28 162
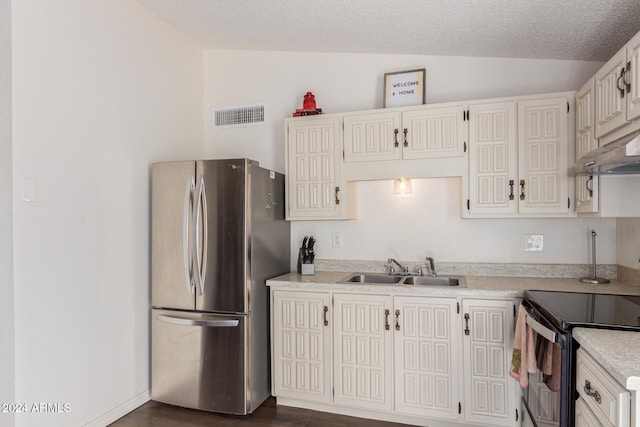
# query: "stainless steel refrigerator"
218 233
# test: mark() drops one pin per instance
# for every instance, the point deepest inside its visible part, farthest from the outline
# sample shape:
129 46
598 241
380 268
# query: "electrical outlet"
336 239
533 242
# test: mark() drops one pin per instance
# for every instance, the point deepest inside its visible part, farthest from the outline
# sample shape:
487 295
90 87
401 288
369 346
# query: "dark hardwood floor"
154 414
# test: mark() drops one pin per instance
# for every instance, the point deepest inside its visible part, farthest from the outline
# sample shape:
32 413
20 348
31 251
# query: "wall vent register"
238 116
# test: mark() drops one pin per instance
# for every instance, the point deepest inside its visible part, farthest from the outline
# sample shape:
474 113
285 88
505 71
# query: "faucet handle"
419 270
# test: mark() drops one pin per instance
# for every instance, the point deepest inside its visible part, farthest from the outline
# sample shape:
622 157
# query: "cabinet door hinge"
465 146
516 415
459 407
514 311
568 202
567 107
342 154
469 204
458 307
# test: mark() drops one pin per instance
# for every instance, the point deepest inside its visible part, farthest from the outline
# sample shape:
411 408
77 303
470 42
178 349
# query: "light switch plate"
533 242
336 239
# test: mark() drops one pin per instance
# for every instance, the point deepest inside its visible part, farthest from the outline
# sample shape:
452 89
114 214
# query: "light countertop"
492 286
617 351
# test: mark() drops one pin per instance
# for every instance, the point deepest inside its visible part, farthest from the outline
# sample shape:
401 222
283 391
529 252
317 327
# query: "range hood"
618 157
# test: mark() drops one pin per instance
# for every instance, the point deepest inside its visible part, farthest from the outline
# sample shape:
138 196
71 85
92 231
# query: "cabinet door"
371 137
633 78
433 132
314 168
301 346
610 102
584 416
543 152
492 158
490 394
426 345
586 186
362 351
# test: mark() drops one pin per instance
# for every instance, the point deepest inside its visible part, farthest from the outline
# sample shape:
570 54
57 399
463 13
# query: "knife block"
306 269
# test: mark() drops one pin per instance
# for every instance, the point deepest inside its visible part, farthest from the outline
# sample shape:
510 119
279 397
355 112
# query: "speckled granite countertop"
617 351
506 287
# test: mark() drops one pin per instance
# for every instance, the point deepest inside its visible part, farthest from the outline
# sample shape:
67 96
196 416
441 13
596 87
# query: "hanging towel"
523 361
551 377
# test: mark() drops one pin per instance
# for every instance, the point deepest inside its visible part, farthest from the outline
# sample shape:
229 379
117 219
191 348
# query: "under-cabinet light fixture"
402 186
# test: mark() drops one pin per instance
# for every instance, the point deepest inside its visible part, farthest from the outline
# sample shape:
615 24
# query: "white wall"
7 350
628 242
429 223
101 89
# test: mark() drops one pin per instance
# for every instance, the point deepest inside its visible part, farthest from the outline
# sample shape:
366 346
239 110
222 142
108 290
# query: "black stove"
568 310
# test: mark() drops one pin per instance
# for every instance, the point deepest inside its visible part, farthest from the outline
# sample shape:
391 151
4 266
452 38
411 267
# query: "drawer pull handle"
386 320
594 394
397 320
324 315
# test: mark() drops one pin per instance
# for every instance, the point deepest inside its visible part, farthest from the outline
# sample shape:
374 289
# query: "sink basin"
431 281
372 278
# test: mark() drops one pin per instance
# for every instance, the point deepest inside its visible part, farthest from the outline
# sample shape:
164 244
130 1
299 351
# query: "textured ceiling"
552 29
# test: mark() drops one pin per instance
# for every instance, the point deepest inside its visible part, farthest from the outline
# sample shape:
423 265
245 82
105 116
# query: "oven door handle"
542 330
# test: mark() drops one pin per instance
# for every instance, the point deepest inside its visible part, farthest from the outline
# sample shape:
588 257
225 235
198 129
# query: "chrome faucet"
392 271
432 266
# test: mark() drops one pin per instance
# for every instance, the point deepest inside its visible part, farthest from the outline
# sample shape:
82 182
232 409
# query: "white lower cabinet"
301 345
362 351
489 393
420 360
426 350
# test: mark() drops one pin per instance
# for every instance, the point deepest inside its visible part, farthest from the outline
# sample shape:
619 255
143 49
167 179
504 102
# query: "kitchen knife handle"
187 260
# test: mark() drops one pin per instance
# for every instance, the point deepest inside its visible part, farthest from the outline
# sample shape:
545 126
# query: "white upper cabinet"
543 148
427 132
492 158
519 152
617 89
586 185
315 188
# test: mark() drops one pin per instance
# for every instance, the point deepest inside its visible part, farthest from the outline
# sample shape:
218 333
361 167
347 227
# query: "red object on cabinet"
308 106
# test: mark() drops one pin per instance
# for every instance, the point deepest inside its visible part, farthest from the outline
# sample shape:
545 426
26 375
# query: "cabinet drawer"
609 401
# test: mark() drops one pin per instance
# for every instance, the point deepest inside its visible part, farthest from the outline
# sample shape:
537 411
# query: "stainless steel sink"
386 279
372 278
431 281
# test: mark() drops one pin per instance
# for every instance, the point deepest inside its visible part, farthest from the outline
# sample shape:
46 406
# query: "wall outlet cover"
533 242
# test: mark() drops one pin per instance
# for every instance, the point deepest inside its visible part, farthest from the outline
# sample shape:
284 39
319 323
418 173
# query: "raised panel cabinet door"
362 357
633 78
492 158
584 415
433 132
314 168
586 185
426 346
301 345
543 152
372 136
489 392
610 95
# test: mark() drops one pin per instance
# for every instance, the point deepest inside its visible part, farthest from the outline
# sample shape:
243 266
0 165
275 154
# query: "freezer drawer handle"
199 322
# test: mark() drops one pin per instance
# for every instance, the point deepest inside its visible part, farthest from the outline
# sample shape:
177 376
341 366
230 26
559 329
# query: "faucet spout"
432 266
403 270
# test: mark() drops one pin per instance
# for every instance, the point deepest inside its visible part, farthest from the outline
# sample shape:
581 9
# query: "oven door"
548 398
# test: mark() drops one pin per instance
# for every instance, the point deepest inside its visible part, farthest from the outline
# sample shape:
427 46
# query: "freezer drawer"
199 361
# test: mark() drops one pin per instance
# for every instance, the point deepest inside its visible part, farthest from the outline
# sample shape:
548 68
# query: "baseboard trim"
120 410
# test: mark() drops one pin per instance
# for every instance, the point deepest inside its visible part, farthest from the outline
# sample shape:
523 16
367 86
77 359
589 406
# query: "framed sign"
404 88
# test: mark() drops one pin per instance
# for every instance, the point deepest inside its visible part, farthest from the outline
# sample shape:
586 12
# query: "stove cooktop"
567 310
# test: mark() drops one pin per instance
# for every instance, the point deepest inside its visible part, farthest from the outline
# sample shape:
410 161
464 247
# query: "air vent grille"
238 116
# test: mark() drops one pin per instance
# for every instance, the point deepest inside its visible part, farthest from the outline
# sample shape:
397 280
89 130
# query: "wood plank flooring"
154 414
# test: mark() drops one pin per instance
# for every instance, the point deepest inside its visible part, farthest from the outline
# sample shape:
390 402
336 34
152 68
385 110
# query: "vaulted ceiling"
590 30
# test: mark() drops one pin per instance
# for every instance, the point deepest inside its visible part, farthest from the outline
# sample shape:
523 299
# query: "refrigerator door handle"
205 240
199 322
198 260
188 206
